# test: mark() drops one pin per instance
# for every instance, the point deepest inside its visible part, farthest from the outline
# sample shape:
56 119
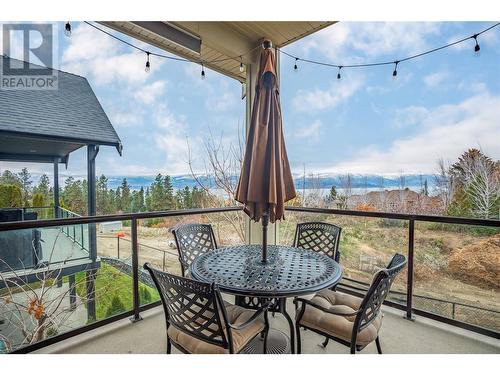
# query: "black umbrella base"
277 343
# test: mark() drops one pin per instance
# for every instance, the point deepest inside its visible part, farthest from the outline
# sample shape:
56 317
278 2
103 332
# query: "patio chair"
320 237
200 322
348 320
192 240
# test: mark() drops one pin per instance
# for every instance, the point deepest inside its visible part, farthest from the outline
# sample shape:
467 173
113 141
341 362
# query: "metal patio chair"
200 322
320 237
351 321
192 240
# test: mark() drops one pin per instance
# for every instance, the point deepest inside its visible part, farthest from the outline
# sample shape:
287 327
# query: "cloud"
310 131
435 79
220 102
92 53
446 131
148 94
370 39
318 99
171 138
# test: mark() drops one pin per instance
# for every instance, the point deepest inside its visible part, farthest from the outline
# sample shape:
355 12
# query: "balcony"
446 311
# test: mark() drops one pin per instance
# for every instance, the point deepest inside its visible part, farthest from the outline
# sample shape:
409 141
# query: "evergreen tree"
142 203
168 191
74 196
43 188
9 178
158 199
26 182
102 199
147 200
125 197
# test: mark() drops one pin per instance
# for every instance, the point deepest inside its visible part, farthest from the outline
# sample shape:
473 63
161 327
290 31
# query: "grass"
110 285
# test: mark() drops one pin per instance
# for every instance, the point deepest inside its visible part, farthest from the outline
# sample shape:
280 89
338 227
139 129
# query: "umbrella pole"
265 223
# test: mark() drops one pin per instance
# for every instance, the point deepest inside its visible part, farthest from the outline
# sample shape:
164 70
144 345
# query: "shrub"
116 307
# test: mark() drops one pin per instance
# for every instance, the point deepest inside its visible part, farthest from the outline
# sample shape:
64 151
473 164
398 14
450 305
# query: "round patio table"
288 272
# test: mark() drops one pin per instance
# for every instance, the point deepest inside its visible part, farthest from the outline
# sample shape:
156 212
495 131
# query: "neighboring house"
401 201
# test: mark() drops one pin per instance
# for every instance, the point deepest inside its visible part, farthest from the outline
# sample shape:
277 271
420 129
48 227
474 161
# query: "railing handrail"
400 216
11 225
69 211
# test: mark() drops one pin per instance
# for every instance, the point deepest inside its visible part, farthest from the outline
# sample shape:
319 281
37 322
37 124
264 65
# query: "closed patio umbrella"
266 181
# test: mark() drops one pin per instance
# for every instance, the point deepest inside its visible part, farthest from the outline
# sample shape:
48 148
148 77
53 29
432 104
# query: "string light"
380 63
476 47
148 65
241 65
395 72
67 29
295 67
202 71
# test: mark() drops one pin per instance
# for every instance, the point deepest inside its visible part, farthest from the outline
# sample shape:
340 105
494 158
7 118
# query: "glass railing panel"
456 272
366 246
157 244
44 282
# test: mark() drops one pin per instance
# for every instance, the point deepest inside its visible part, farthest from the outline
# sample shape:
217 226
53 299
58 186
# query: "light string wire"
196 61
340 66
238 58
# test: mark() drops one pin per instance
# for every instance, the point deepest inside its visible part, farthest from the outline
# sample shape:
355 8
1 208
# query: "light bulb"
477 49
67 29
295 67
148 64
202 73
395 72
241 68
338 74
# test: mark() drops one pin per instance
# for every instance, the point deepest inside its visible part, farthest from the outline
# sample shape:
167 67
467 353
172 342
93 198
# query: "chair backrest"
193 240
378 292
191 306
317 236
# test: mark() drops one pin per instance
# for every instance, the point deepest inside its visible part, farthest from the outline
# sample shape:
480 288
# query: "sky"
366 123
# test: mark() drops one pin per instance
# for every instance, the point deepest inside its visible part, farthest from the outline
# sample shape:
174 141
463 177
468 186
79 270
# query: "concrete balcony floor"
397 335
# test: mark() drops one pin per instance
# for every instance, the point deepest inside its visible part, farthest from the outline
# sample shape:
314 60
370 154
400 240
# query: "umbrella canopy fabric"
266 181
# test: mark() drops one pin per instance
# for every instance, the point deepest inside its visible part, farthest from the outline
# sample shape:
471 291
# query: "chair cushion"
236 315
335 325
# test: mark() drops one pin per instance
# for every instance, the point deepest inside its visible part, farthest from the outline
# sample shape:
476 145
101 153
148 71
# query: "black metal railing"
77 233
134 218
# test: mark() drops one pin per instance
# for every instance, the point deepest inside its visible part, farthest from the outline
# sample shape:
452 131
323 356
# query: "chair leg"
325 343
379 348
353 350
299 343
169 346
266 332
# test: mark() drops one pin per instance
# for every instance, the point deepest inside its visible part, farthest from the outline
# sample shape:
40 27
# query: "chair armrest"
254 316
331 310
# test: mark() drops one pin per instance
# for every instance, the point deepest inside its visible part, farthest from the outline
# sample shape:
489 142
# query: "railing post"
409 285
118 246
135 271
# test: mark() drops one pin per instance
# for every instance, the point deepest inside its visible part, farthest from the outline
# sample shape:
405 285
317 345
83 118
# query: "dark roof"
52 122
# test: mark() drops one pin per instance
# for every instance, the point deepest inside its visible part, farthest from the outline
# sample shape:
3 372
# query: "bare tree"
222 163
346 186
444 184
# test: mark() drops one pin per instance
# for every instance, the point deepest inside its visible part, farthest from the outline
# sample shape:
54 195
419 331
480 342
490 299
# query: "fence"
407 304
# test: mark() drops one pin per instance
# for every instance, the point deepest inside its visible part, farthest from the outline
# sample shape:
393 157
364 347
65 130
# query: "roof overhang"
210 41
38 148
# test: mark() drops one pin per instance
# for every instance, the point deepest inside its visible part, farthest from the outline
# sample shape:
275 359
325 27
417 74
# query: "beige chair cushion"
339 326
236 315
